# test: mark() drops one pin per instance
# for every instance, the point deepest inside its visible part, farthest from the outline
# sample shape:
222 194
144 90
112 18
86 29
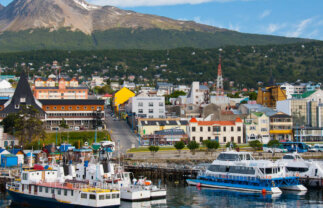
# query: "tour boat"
239 171
44 188
309 172
139 190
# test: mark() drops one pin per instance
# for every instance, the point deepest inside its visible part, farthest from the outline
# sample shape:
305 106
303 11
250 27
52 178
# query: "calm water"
190 196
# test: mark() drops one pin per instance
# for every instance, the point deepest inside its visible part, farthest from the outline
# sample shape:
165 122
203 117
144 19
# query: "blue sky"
292 18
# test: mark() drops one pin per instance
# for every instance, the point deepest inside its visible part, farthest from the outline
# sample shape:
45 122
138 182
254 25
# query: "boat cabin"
235 156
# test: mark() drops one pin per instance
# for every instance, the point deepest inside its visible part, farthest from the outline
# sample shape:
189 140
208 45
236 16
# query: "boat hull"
135 195
209 184
158 194
38 201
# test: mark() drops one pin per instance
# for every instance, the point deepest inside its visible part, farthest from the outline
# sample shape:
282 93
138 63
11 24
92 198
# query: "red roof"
239 120
193 120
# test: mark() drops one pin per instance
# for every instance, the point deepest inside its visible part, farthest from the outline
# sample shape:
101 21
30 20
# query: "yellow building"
281 127
121 97
268 96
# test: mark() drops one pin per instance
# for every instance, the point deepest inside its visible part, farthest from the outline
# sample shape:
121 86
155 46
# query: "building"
66 89
97 81
6 90
308 134
129 85
257 127
78 113
9 160
164 88
148 126
144 106
221 131
289 89
268 96
164 137
121 97
198 94
6 140
281 127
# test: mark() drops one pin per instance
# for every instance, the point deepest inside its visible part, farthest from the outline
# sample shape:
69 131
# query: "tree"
233 145
179 146
192 146
273 143
211 145
153 149
8 123
255 145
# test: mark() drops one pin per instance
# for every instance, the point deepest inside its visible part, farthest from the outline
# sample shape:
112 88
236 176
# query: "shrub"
192 146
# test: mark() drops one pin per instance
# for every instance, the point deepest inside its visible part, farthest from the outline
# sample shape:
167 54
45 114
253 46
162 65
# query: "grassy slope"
130 39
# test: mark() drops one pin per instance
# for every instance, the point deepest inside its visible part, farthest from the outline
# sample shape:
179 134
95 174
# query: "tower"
219 80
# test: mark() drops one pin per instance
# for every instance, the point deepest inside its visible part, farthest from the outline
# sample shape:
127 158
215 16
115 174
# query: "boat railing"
77 186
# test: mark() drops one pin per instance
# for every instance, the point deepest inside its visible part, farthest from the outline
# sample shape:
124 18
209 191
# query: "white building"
197 94
146 107
129 85
6 89
289 88
97 81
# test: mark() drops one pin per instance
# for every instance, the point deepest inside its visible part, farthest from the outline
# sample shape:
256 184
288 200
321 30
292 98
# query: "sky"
291 18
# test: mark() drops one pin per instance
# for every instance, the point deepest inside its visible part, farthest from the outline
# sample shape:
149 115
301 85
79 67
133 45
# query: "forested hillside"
243 64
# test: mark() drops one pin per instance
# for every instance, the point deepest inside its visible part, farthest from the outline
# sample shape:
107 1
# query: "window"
53 190
224 128
151 111
65 192
239 139
59 191
239 128
22 100
108 196
193 138
46 190
55 108
85 107
216 128
78 107
47 108
224 139
63 108
208 138
101 197
161 111
209 129
40 189
83 196
140 104
151 104
92 196
161 104
16 106
201 129
70 107
115 196
193 128
232 139
25 176
140 111
232 128
201 139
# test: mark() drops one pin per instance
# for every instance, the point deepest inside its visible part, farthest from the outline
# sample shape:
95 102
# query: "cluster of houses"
204 115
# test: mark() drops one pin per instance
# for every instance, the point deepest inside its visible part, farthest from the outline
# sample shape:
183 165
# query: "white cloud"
299 28
135 3
274 27
234 27
265 14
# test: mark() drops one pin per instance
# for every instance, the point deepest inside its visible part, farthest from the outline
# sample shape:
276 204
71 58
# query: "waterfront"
191 196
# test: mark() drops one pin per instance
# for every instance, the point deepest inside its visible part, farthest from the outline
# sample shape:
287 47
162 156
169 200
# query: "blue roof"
82 150
29 154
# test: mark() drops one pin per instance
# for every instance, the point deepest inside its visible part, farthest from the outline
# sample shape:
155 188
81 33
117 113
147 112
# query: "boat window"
288 157
72 192
248 157
298 157
118 196
242 170
24 176
228 157
84 196
114 196
59 191
101 197
92 196
269 170
40 189
46 189
65 192
217 168
294 169
126 175
108 196
53 191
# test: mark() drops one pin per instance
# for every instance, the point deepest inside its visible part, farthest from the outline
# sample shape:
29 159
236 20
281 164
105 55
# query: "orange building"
66 89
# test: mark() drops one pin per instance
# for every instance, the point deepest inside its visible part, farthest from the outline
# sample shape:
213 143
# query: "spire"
219 81
272 81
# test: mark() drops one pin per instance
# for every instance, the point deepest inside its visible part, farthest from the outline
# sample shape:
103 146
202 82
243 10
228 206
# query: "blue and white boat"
239 171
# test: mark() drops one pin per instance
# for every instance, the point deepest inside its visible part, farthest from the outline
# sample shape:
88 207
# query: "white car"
274 149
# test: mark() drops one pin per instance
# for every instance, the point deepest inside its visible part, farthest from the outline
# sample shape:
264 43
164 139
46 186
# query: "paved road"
121 131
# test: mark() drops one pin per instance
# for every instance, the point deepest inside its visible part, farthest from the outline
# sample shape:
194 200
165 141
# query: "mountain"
1 6
77 25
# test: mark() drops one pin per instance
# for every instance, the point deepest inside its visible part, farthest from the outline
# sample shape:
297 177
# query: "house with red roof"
221 131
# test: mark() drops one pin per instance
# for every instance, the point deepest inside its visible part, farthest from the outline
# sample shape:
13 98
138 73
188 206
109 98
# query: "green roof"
258 114
304 95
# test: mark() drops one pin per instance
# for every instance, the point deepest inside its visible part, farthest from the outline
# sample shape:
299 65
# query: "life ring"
297 174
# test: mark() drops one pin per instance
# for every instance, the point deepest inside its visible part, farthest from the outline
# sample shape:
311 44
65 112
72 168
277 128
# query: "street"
120 131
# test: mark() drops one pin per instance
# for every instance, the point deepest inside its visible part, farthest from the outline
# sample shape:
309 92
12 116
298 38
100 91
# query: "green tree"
193 146
231 144
255 145
273 143
8 123
211 145
177 93
153 149
179 146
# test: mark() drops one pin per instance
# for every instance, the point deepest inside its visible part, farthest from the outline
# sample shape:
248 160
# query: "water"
191 196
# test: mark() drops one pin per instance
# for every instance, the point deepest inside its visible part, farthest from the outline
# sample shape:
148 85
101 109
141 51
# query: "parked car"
318 147
312 149
273 149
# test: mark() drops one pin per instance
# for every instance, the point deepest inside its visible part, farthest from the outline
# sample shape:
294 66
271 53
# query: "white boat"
309 172
43 187
239 171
